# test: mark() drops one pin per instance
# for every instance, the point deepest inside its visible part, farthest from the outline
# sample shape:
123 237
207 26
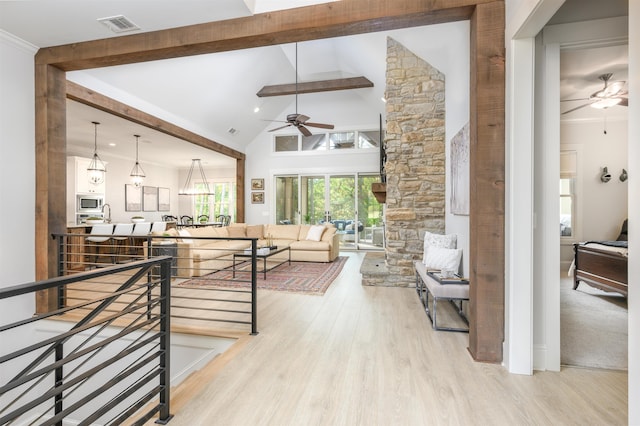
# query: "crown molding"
18 42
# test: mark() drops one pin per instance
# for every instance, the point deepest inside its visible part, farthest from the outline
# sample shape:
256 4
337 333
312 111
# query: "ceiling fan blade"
320 125
624 101
278 128
304 130
301 118
576 108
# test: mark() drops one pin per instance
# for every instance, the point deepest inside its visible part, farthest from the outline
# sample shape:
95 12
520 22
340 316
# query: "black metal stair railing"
196 303
104 366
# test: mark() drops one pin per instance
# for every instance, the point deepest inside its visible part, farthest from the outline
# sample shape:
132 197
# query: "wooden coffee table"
244 256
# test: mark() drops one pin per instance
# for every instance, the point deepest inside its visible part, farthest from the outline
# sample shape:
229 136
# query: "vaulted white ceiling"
212 94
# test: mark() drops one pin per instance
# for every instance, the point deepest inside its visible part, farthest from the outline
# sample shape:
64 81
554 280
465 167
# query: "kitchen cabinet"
82 184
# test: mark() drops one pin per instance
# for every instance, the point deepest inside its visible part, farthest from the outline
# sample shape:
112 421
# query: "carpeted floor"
299 277
593 327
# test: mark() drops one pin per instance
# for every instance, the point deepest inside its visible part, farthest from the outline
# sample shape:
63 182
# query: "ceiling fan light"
606 103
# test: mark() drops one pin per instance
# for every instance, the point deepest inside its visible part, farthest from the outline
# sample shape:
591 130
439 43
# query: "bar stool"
104 230
121 233
141 229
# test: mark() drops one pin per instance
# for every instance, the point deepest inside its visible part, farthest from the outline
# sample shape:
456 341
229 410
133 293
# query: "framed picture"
460 191
164 200
132 198
257 184
257 197
149 198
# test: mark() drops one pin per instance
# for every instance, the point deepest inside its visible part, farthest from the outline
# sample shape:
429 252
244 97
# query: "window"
314 142
222 202
369 139
333 141
568 161
343 140
286 143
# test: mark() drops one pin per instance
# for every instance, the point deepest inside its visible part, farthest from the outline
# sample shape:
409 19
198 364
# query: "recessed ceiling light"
383 99
256 109
112 144
118 24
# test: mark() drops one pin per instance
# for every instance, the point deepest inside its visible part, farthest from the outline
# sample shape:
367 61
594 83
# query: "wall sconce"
623 176
605 176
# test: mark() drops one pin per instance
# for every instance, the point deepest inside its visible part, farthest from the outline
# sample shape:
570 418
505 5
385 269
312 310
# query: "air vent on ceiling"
232 130
119 24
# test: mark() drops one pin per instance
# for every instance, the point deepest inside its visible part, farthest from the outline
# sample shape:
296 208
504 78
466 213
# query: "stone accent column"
415 164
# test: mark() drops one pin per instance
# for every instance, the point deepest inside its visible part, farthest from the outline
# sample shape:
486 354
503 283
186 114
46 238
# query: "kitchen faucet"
108 219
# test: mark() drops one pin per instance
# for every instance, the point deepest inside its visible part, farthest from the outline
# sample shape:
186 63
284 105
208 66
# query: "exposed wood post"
487 171
240 193
51 161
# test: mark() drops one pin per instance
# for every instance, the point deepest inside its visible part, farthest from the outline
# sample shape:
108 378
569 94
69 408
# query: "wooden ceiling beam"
333 19
315 86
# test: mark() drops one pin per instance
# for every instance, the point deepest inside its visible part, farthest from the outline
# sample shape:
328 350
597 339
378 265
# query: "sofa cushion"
218 248
282 232
255 231
315 233
309 245
207 232
329 233
237 231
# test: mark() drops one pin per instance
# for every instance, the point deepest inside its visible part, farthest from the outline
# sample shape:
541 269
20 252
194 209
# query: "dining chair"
99 234
186 220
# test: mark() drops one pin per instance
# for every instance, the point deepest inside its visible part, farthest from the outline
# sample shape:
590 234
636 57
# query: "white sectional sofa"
197 257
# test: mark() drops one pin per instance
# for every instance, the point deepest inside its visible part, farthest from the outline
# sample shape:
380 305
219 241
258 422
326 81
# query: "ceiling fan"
300 120
611 94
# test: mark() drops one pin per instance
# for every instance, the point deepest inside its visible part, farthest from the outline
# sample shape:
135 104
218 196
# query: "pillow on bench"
438 241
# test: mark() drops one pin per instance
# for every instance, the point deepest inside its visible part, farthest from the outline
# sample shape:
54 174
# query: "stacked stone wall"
415 167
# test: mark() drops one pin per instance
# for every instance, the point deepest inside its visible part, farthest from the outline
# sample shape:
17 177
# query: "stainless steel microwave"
89 203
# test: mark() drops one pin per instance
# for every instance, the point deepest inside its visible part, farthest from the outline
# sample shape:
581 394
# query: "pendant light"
96 170
137 174
188 188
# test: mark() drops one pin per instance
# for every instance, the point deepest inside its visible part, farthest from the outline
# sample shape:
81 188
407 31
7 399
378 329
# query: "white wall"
602 206
17 183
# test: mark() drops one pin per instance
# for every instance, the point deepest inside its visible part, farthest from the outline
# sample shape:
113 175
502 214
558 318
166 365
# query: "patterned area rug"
299 277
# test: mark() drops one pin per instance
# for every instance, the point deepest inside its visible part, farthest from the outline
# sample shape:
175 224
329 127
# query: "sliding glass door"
345 200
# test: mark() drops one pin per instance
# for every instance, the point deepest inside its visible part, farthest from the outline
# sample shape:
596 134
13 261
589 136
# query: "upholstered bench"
427 284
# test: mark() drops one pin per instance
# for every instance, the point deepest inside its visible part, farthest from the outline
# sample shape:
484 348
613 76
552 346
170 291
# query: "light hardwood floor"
368 356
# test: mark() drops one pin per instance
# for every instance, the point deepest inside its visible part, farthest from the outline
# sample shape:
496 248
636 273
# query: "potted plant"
92 220
137 219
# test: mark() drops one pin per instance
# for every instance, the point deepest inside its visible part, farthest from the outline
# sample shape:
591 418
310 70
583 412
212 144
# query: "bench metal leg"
423 293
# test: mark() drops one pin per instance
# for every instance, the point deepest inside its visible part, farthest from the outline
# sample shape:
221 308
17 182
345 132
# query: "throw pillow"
185 233
443 258
437 240
315 233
